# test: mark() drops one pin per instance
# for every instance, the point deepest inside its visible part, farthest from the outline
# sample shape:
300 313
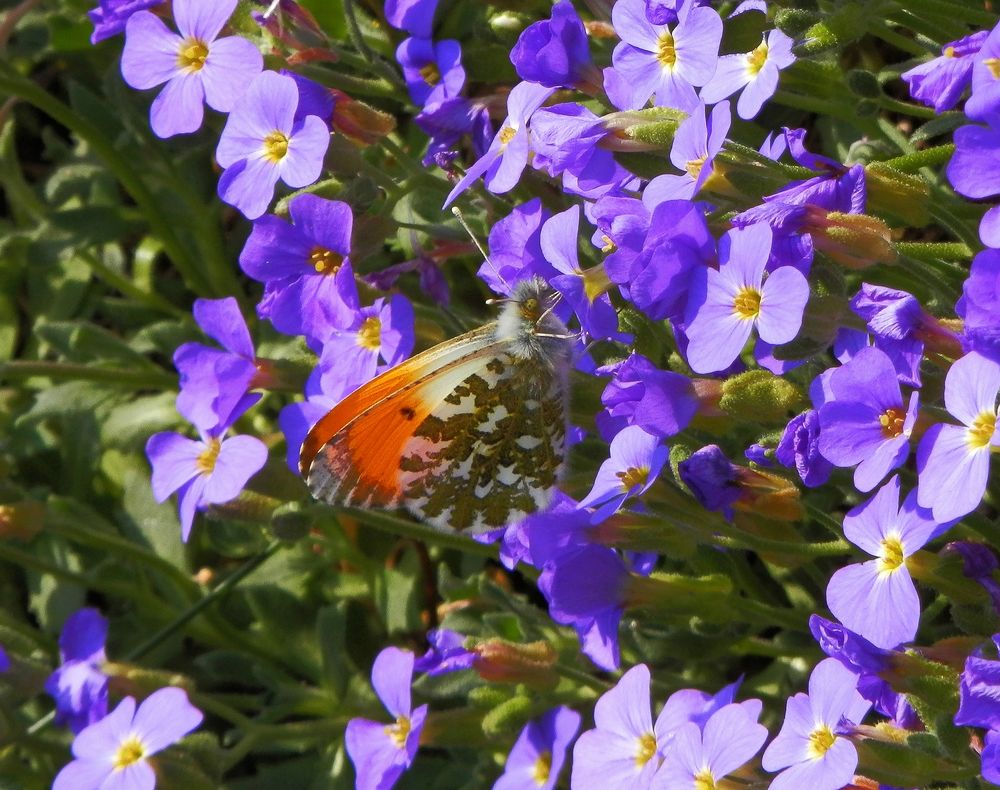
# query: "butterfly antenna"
482 250
272 8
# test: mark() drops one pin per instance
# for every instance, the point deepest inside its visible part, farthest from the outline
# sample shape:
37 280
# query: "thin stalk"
69 371
124 285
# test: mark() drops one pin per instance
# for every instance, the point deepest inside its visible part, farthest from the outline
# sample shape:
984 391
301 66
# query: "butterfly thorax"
531 327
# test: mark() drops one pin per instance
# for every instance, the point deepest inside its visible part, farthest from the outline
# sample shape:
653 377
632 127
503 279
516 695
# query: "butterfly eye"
529 308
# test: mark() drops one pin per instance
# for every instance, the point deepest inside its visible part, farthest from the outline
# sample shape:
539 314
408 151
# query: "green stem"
358 39
933 250
395 525
953 11
129 288
929 157
755 611
68 371
881 30
746 540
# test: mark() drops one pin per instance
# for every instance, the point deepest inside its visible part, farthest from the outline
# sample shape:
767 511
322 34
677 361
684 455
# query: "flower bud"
855 241
651 129
509 662
758 395
890 191
21 520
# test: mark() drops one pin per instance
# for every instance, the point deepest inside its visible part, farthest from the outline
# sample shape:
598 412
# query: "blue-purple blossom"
700 757
196 65
446 121
756 72
432 69
554 52
974 171
712 479
726 304
305 266
979 305
877 599
941 81
4 660
515 245
634 464
80 686
799 448
953 461
668 62
508 154
866 422
110 16
446 652
695 145
416 17
382 752
985 99
538 755
978 563
811 750
262 143
113 753
979 691
660 402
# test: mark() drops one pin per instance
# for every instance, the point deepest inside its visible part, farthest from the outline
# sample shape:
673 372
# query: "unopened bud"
359 121
651 129
855 241
509 662
507 717
890 191
21 520
759 395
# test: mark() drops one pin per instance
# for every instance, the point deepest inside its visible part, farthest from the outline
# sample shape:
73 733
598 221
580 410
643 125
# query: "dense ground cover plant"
771 560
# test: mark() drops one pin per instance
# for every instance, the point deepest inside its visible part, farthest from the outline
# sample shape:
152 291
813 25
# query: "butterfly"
469 435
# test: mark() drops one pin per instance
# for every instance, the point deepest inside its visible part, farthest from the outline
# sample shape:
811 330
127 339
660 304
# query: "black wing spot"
407 413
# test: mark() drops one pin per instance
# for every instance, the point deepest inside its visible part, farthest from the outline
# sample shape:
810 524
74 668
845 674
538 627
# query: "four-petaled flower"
537 757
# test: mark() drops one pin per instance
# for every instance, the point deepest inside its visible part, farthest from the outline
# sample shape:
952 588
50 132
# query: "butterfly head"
528 321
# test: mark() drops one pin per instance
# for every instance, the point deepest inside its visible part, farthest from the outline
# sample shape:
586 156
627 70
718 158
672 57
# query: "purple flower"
866 422
695 145
537 757
979 691
623 749
305 266
110 16
4 660
985 99
877 599
974 171
112 754
978 564
351 351
979 305
810 750
702 756
799 448
214 384
756 72
262 144
197 67
725 305
660 402
446 653
207 472
508 154
515 244
382 752
940 82
670 63
636 461
954 461
79 686
555 52
711 478
416 17
432 70
447 121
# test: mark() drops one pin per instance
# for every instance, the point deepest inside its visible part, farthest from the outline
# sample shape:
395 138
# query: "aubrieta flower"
695 145
262 143
985 98
110 16
799 448
953 461
700 757
979 305
554 52
877 599
113 753
515 245
537 758
305 266
756 72
4 660
661 402
866 422
940 81
446 652
416 17
974 171
214 385
668 62
979 689
196 65
432 70
810 750
978 563
507 155
382 752
726 304
79 686
634 464
712 479
210 471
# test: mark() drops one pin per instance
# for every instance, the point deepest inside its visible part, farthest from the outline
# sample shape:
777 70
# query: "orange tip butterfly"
469 435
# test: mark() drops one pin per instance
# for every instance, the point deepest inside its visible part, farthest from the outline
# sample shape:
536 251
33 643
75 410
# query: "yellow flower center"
665 51
370 334
609 245
129 751
757 59
993 65
542 768
325 261
633 476
891 556
399 731
205 462
892 422
820 741
746 304
694 166
431 74
980 433
595 282
949 52
507 134
192 55
275 146
703 780
647 748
